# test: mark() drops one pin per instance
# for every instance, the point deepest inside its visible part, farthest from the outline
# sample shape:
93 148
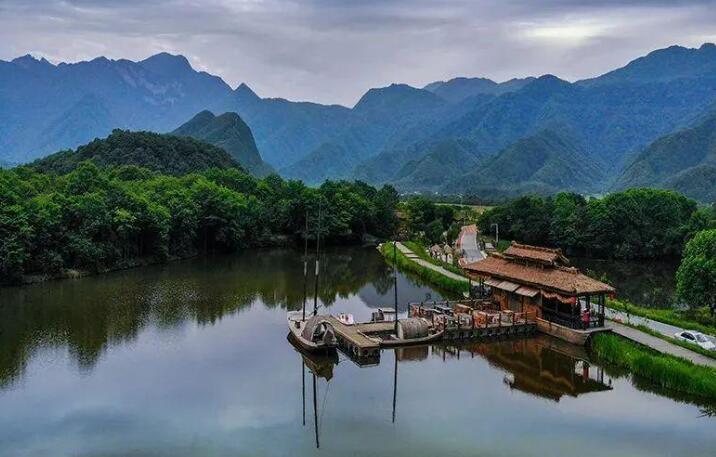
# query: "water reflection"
191 359
90 315
540 367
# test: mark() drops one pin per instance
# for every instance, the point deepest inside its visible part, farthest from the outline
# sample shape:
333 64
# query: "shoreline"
141 262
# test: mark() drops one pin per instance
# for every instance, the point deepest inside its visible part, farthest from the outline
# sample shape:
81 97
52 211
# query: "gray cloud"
332 51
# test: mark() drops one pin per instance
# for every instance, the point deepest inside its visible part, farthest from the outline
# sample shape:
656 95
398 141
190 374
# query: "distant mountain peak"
404 94
229 132
244 92
203 116
30 61
661 65
165 62
461 88
24 59
546 84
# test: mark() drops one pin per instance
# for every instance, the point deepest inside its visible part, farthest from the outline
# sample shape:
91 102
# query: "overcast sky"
332 51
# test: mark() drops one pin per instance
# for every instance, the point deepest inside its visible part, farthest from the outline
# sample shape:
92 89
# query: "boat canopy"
317 329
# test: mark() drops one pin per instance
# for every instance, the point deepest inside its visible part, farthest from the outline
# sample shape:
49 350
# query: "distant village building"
436 252
567 303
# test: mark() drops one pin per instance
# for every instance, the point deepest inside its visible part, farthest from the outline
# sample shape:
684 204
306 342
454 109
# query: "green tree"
696 276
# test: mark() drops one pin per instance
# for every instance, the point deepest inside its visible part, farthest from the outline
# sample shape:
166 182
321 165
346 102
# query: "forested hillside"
166 154
97 219
230 133
684 161
544 163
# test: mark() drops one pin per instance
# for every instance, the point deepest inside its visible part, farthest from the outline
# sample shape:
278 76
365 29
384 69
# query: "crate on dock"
464 320
462 308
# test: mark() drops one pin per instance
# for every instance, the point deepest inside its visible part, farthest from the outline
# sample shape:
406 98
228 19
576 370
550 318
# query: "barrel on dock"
412 328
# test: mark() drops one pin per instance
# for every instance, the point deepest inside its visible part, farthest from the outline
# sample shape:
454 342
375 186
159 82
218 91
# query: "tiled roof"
565 280
536 253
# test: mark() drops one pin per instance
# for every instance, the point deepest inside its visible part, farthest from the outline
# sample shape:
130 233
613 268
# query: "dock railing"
466 315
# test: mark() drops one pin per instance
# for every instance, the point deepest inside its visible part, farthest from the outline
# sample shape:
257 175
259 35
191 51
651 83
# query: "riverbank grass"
664 370
419 249
433 277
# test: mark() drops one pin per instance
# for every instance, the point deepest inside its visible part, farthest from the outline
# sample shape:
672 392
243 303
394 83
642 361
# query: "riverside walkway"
625 331
424 263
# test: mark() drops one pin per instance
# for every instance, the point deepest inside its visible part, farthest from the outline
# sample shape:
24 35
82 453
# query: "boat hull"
409 342
296 326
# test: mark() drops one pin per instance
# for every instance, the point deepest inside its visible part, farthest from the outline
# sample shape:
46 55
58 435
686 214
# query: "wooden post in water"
303 388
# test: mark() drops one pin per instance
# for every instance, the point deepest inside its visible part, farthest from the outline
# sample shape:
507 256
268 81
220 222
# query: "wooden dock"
353 339
455 321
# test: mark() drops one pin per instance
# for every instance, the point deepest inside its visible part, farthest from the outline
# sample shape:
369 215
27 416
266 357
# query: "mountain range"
464 135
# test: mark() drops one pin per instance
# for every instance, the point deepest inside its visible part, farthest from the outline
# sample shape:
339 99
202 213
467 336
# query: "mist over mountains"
465 135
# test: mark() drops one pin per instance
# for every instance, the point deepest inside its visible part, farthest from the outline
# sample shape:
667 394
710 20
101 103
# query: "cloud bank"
332 51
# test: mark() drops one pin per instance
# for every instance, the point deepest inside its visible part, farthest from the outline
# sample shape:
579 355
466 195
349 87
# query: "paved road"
468 243
620 316
660 345
414 257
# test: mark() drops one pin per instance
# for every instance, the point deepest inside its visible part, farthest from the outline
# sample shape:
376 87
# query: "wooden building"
568 304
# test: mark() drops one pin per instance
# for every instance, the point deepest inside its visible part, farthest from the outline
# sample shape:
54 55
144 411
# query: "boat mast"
305 270
318 260
395 279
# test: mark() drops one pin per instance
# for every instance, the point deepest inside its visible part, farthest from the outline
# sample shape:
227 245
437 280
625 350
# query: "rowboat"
313 335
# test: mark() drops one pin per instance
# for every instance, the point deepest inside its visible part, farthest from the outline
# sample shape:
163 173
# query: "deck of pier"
353 339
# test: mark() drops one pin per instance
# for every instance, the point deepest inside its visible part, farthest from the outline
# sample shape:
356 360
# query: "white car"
691 336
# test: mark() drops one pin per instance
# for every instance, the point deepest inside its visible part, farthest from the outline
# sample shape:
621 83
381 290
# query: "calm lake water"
191 359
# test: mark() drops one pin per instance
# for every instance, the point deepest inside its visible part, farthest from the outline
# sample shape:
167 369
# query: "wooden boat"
397 342
313 335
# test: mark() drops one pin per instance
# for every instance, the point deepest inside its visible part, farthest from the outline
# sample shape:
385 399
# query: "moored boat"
314 334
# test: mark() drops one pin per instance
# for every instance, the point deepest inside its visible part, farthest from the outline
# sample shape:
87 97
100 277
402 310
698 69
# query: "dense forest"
99 218
169 154
636 223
